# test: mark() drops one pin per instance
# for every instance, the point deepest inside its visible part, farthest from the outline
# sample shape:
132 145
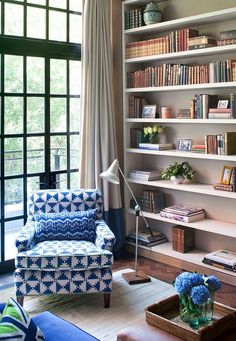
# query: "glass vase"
183 308
210 307
154 138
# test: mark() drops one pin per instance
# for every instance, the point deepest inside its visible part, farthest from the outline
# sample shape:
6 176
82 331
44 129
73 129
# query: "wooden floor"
166 273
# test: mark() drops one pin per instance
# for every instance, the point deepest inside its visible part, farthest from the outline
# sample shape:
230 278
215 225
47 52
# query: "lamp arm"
136 202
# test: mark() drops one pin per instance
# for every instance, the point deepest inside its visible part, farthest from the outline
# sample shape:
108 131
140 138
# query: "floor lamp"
111 175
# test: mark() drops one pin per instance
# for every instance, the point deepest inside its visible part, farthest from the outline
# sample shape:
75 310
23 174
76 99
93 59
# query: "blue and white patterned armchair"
54 262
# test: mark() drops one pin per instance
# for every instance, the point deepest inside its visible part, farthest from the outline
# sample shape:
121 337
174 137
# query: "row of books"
150 201
182 238
186 214
175 41
221 144
222 259
199 106
144 238
135 106
134 18
182 74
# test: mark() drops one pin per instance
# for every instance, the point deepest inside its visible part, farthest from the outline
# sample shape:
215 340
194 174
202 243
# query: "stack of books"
201 42
231 187
183 213
227 38
222 259
156 146
150 201
222 113
147 175
183 113
182 238
144 238
198 148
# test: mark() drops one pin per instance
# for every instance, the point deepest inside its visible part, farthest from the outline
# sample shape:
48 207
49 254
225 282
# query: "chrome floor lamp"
111 175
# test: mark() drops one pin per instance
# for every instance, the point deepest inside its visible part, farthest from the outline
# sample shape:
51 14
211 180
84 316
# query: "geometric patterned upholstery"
67 254
64 266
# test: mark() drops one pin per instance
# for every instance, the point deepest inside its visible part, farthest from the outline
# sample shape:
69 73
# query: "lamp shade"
111 174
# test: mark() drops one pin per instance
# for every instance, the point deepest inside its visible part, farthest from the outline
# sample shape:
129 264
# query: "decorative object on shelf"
166 112
184 145
196 297
155 133
226 175
152 14
149 111
178 172
111 175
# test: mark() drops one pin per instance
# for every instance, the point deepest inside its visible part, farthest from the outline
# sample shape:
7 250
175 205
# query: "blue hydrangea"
186 280
213 283
199 294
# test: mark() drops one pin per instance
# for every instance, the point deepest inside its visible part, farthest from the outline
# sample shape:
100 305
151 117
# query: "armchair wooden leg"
20 300
107 300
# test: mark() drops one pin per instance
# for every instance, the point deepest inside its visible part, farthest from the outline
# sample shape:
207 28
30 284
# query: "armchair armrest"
25 238
105 237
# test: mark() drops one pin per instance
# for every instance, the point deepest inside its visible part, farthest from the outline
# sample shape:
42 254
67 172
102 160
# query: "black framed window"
40 56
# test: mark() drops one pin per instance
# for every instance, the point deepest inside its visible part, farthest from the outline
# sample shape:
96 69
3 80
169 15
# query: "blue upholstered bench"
55 328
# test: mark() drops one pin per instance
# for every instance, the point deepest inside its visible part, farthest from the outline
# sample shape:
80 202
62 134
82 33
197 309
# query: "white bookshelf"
218 230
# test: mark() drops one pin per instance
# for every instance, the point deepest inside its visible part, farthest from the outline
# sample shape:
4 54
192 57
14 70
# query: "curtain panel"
98 138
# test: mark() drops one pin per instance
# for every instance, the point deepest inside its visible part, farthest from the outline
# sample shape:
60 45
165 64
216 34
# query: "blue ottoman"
55 328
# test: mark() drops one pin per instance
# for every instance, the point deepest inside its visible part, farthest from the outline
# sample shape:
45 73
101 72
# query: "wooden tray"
165 315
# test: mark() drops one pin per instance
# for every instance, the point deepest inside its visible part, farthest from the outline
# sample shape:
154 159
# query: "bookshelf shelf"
211 234
222 85
209 225
185 54
181 121
190 261
190 187
185 155
200 19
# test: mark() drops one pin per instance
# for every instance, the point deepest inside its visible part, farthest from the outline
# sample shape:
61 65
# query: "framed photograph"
223 103
149 111
226 175
184 144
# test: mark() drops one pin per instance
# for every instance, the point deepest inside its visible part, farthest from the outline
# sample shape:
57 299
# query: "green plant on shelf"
179 170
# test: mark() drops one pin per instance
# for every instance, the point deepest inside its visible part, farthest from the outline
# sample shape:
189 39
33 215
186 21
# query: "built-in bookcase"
218 230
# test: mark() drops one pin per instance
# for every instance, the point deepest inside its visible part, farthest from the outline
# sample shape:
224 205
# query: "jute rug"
128 303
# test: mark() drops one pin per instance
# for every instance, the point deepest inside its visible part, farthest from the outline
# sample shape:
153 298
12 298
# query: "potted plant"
154 133
178 172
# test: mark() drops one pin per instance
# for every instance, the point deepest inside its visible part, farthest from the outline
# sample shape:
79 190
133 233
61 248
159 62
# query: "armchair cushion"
16 324
25 238
105 238
64 255
66 226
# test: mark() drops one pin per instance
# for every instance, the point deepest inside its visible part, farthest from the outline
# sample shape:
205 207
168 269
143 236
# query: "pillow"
15 324
78 225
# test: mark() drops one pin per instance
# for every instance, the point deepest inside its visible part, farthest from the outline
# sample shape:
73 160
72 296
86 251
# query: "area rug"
128 303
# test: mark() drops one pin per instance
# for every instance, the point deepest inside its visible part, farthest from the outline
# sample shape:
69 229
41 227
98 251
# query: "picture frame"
226 175
149 111
184 144
223 103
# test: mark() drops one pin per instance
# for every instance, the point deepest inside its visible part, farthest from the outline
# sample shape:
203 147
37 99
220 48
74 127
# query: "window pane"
62 181
32 185
76 5
58 153
74 151
36 23
74 114
13 197
14 19
75 77
13 115
74 180
35 154
75 28
13 73
58 76
35 75
57 26
58 115
58 3
13 163
38 2
11 230
35 115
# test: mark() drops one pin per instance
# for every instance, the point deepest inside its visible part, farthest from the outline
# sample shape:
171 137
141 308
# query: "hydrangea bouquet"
196 294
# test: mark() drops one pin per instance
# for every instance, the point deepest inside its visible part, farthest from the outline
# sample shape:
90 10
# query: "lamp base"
132 278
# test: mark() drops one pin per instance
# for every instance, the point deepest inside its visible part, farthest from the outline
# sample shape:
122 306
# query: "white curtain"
98 142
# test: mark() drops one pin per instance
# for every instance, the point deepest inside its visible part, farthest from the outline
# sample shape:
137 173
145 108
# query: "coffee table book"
165 315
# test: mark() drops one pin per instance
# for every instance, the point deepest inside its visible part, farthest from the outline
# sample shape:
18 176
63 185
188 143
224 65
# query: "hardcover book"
222 256
184 210
185 219
155 146
147 175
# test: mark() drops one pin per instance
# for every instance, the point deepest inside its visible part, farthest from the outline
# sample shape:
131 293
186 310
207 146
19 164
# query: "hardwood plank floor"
166 273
